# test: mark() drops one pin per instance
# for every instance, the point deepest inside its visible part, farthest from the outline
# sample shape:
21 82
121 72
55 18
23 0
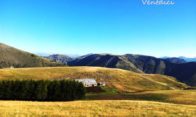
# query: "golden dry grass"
107 108
174 96
170 96
122 80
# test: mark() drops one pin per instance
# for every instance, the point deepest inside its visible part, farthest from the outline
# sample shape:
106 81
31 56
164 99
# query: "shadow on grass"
127 96
112 94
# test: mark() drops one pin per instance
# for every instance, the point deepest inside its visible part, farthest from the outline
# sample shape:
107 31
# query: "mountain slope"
104 60
147 64
121 80
10 56
184 72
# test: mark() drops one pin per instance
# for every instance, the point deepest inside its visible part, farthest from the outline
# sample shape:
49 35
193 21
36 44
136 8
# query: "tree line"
41 90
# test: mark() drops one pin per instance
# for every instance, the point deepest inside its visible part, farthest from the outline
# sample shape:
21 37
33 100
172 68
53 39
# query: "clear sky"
99 26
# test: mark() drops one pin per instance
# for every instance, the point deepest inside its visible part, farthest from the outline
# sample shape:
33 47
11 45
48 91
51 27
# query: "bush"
42 90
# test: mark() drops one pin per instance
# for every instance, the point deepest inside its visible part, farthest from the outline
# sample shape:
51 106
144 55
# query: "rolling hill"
17 58
118 79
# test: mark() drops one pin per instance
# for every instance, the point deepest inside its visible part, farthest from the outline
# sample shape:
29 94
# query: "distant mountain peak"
175 60
60 58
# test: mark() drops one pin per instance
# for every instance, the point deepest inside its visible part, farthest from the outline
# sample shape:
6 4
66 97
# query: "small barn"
88 82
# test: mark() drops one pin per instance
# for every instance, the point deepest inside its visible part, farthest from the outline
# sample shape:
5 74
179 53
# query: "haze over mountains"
188 59
176 67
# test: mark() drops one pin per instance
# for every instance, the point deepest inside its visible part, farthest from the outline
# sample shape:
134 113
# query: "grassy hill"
17 58
120 80
101 108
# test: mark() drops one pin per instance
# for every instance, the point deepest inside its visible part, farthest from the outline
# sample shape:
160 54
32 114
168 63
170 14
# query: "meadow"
125 94
187 97
111 108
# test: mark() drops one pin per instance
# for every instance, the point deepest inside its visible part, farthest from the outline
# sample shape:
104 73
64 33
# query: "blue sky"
99 26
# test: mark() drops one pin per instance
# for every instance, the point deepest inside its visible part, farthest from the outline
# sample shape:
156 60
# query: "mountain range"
176 67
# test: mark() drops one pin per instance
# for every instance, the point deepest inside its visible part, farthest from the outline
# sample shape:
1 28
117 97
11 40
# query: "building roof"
87 80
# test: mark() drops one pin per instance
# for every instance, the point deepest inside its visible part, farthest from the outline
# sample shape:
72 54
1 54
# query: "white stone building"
88 82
